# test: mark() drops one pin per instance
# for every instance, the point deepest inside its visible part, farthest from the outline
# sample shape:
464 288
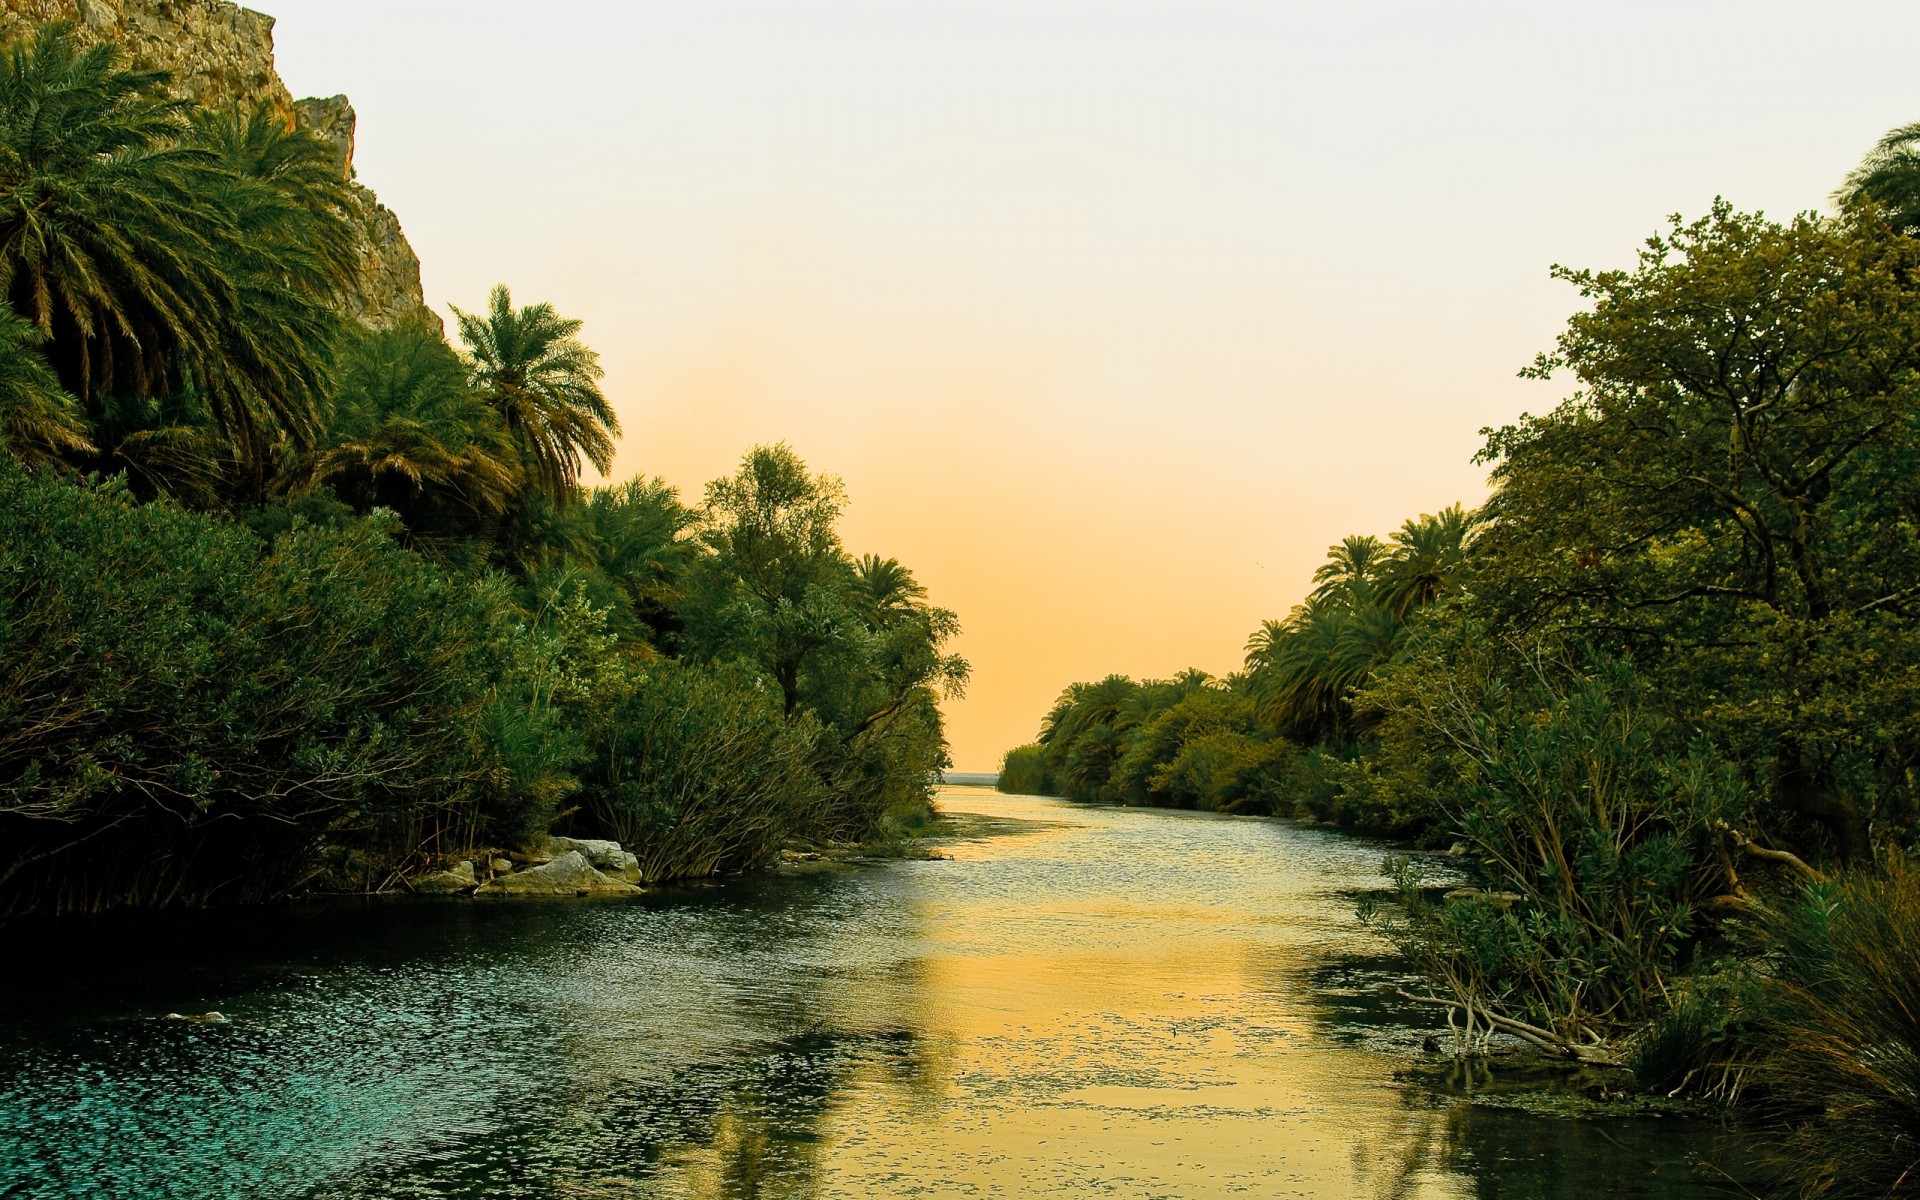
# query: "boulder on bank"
458 878
570 874
605 856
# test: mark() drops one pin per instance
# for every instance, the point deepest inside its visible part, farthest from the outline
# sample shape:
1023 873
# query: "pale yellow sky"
1112 316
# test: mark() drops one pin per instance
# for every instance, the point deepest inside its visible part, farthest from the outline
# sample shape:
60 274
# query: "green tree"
772 528
1350 565
120 240
544 382
39 421
405 432
1427 560
1728 500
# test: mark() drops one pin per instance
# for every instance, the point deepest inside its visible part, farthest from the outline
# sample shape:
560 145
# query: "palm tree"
407 433
887 592
1350 564
290 255
545 384
287 194
120 241
1304 670
639 535
39 421
1101 715
1426 561
1889 176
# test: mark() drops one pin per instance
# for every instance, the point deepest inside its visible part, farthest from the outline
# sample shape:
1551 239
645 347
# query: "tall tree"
1426 560
544 382
1729 498
119 239
772 528
407 433
1351 564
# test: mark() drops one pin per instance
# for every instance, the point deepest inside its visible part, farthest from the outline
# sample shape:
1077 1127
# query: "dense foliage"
1658 693
289 601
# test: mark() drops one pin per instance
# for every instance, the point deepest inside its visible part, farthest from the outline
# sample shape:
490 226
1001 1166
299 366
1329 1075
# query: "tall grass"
1840 1014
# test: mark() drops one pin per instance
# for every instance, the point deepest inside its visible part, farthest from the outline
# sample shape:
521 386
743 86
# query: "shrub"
189 712
1840 1025
1023 772
696 771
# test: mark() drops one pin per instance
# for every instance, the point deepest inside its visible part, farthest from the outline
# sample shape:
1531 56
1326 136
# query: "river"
1080 1002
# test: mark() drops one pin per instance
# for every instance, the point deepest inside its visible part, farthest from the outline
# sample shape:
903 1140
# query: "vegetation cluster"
289 602
1657 693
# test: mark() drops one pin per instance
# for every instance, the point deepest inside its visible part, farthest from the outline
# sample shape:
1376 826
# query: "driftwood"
1597 1054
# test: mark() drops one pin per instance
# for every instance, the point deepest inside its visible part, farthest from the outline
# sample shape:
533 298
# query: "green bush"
696 772
1023 772
188 712
1595 837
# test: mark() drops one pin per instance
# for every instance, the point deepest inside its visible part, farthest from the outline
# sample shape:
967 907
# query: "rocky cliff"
220 53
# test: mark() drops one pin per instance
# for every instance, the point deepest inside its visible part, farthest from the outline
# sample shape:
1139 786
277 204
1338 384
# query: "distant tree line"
1661 692
287 602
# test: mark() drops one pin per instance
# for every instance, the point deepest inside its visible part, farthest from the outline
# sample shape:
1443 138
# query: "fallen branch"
1545 1039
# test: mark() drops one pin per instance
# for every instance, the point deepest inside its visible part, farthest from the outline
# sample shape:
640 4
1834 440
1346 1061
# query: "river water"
1086 1002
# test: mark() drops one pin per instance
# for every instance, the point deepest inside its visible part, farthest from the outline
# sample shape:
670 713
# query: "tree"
772 529
1729 500
545 384
120 241
407 433
39 421
1889 177
1350 564
1427 560
888 591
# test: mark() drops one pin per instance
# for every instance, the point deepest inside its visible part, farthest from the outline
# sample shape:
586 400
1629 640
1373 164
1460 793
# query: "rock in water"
605 856
568 875
459 878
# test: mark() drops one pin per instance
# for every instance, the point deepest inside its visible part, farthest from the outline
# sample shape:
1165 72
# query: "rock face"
220 53
568 875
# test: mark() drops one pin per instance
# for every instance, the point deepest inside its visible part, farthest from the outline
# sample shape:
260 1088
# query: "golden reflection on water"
1093 1013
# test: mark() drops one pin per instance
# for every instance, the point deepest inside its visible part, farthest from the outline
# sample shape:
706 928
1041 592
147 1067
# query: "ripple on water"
1110 1002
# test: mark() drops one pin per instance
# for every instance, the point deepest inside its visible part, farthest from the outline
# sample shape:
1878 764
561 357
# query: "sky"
1111 316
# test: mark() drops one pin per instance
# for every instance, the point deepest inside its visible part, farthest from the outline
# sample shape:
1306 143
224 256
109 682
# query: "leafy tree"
544 382
778 564
1729 497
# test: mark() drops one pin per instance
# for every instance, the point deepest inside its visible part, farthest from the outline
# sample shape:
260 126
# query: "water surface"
1099 1002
